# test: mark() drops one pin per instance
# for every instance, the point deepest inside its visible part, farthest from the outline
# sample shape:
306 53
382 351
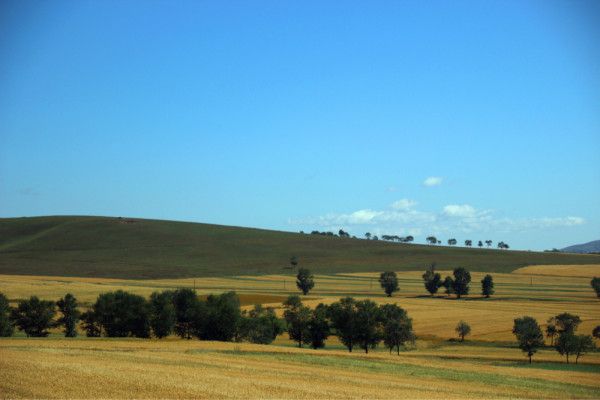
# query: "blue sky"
474 120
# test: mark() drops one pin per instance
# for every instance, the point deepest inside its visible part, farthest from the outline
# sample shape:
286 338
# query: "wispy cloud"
403 204
433 181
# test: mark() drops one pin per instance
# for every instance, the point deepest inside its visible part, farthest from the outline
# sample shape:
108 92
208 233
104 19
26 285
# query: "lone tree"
397 327
432 280
297 317
342 315
368 332
529 334
305 281
389 282
487 286
461 281
33 316
595 282
462 329
318 327
368 235
70 314
162 314
6 326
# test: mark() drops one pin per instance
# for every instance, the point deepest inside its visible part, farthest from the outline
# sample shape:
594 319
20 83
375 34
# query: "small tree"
389 282
70 314
305 281
462 329
6 326
566 344
397 327
293 262
480 244
432 280
461 281
368 235
33 316
468 243
297 317
260 325
162 314
529 334
368 334
431 240
318 327
487 286
488 243
90 324
452 242
583 345
596 332
595 282
448 284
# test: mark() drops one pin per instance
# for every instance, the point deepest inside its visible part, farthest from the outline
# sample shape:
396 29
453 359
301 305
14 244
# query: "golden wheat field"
487 365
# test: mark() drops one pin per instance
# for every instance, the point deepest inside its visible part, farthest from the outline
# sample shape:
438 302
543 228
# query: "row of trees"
361 324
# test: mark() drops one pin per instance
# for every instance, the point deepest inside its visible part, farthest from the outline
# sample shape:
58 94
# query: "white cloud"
433 181
403 204
459 210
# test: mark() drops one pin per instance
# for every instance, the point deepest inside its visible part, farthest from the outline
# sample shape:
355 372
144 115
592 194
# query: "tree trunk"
529 358
576 358
398 349
567 358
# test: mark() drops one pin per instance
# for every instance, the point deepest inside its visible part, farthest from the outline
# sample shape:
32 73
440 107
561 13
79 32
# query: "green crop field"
143 249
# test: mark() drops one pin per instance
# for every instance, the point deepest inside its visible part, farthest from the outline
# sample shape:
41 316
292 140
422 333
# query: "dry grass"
584 271
127 368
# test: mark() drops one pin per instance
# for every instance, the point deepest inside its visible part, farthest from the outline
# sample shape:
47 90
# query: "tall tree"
6 326
487 286
432 280
342 315
187 310
595 282
33 316
529 334
460 284
389 282
162 313
297 318
368 334
305 281
70 314
397 327
583 345
318 327
566 344
463 329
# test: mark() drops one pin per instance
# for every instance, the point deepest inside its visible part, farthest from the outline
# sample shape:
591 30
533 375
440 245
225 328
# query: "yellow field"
583 270
487 365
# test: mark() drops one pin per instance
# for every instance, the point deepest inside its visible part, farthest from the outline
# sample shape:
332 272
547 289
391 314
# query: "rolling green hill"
139 248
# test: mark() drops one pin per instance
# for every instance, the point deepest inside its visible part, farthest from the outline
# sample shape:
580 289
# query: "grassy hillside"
124 248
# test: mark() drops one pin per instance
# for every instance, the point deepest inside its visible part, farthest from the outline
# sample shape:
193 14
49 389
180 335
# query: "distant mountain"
590 247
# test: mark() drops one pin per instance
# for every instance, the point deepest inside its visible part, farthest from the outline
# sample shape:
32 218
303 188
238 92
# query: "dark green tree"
342 315
397 327
460 283
222 317
451 242
91 324
448 285
432 280
260 325
122 314
487 286
566 344
368 329
6 325
596 332
305 281
33 316
318 327
583 345
389 282
595 282
566 323
188 311
462 329
297 318
529 335
551 332
162 313
70 314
